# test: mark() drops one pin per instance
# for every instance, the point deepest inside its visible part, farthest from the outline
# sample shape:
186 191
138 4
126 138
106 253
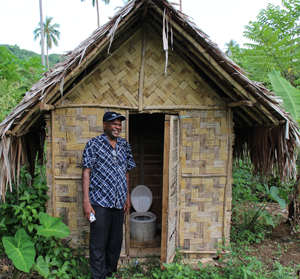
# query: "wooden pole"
185 107
47 107
53 164
204 175
127 220
68 177
228 179
97 106
240 103
142 70
203 252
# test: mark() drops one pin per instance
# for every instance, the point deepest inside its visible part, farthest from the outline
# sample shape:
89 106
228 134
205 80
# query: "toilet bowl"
142 222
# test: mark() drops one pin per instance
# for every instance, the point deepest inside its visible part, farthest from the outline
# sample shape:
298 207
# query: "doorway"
146 137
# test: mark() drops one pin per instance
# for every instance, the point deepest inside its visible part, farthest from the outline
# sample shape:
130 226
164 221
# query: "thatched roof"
255 108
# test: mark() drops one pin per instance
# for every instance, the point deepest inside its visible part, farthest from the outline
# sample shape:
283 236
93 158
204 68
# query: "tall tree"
51 33
97 7
42 38
275 37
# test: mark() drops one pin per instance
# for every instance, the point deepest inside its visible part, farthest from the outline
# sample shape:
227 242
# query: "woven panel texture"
204 151
73 128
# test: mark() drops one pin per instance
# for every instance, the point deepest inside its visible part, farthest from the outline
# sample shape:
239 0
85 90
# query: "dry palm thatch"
268 147
270 134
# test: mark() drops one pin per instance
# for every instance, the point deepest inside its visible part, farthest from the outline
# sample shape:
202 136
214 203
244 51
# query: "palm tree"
97 7
230 46
51 33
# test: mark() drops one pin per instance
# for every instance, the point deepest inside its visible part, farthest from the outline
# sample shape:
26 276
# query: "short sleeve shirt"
108 185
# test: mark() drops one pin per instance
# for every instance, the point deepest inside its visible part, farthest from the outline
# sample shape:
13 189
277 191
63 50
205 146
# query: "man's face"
112 128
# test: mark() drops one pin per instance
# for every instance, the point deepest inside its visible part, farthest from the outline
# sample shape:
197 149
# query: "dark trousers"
106 237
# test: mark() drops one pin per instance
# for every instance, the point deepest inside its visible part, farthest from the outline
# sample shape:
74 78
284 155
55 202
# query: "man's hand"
127 204
86 205
87 209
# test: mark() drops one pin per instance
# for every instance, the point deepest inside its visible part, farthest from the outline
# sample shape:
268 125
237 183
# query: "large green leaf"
20 250
274 195
52 226
42 267
289 94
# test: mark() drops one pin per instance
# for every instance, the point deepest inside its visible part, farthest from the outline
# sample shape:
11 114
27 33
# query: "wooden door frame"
164 218
127 216
167 170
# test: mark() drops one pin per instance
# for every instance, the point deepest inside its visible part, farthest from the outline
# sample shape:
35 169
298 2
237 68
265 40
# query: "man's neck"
113 142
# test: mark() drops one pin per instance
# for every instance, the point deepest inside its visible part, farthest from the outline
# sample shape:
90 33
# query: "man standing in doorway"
107 160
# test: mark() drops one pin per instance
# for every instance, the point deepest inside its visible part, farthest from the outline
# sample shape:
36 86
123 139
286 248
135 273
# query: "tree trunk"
47 59
42 34
294 206
98 15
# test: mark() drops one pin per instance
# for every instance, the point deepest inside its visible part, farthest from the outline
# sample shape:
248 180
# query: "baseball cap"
111 115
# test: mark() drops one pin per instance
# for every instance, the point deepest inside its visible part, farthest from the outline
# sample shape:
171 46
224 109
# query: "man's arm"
127 204
86 205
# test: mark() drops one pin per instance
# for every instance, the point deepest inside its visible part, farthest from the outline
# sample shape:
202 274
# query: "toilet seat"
141 200
135 215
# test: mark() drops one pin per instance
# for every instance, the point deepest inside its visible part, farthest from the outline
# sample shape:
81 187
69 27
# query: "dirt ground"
282 244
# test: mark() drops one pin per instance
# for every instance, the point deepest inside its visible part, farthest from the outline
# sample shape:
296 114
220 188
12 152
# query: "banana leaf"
289 94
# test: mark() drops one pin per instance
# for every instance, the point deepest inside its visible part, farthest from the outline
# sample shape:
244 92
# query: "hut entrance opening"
146 137
154 139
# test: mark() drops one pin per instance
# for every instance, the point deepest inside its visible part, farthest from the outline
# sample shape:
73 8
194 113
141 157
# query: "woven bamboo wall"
181 86
117 79
73 128
204 151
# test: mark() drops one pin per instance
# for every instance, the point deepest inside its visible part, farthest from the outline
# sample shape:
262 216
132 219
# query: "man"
107 160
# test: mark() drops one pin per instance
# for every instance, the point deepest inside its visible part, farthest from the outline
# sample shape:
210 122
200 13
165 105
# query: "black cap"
111 115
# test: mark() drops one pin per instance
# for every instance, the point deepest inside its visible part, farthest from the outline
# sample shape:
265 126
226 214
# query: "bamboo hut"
190 110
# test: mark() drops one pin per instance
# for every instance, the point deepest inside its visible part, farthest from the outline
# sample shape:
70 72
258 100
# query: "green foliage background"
274 44
27 54
19 70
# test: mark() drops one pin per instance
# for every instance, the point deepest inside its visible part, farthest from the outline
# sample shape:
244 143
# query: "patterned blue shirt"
108 185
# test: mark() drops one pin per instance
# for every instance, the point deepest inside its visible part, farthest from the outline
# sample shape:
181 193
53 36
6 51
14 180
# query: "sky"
221 20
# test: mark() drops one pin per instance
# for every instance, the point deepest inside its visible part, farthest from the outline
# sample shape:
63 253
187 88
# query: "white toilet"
142 222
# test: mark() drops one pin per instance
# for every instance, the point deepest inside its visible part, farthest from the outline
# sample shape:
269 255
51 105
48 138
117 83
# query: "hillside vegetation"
26 54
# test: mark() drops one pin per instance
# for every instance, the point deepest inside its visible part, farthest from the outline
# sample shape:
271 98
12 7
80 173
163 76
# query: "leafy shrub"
244 180
31 237
24 204
251 196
